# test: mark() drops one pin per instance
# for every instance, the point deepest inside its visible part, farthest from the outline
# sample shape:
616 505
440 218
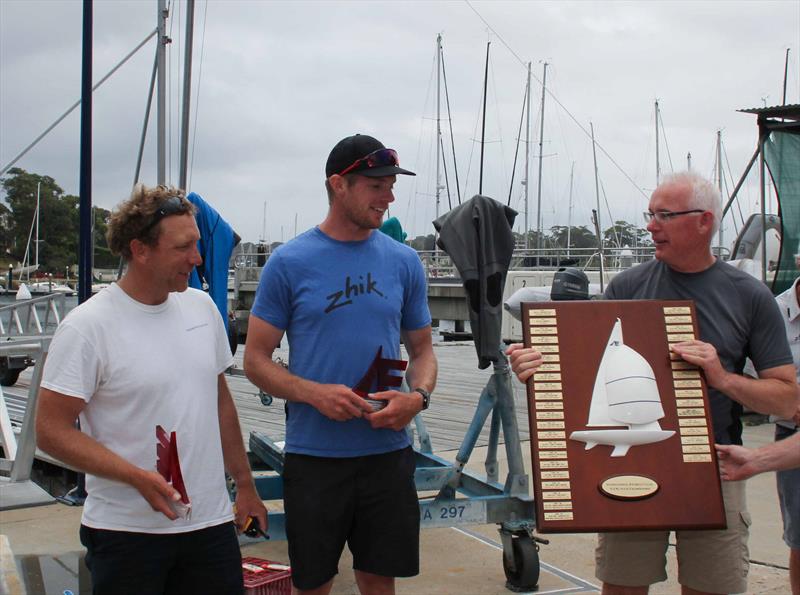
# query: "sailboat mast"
598 226
689 161
438 126
483 125
187 94
785 74
569 210
658 161
36 241
539 181
527 157
161 102
721 241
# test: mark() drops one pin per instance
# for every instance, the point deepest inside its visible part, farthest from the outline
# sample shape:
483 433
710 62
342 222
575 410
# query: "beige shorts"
712 561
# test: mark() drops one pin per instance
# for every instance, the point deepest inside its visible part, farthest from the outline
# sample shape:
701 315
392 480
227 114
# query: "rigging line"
666 144
197 95
450 122
446 179
76 104
499 123
413 192
519 136
610 217
561 105
485 22
738 202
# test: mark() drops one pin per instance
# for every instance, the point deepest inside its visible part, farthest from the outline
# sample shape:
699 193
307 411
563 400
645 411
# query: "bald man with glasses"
738 318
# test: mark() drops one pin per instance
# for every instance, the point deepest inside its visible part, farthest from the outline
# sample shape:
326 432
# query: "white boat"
625 394
47 287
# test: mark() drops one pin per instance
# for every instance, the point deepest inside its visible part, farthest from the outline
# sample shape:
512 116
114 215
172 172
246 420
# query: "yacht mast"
721 241
36 241
483 125
161 103
598 227
541 155
527 158
438 131
658 163
187 94
569 210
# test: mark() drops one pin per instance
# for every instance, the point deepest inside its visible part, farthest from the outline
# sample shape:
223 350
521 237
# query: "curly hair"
137 217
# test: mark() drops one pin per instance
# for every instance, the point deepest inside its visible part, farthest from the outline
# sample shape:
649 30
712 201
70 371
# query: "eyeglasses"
171 206
663 216
379 158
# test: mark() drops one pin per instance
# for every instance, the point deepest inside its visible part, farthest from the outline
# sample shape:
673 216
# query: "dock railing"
33 317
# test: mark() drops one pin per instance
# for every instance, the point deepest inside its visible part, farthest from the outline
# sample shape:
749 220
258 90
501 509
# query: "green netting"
782 155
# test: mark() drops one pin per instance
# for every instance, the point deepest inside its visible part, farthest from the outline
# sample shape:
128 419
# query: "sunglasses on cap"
379 158
173 205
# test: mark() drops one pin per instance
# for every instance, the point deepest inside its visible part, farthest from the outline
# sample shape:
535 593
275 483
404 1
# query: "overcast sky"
277 84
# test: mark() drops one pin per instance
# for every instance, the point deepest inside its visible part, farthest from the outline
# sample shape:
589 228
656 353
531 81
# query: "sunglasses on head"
171 206
379 158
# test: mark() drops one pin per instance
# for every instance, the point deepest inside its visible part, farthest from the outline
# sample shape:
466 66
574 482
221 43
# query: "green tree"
623 233
579 236
58 220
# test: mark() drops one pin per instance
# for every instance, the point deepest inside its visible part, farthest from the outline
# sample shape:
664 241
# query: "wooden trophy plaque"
621 435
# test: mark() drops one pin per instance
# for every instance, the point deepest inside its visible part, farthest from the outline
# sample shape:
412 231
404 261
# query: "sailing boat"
625 394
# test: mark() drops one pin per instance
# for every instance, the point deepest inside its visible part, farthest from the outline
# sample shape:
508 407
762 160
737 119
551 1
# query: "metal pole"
187 93
36 240
598 226
85 213
438 132
483 126
689 161
569 210
761 164
658 164
721 241
539 181
161 112
528 159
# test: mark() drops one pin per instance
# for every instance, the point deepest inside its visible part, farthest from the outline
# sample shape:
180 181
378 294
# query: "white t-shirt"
138 366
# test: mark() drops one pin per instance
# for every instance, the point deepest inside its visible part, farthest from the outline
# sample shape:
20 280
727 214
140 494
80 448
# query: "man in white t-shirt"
143 353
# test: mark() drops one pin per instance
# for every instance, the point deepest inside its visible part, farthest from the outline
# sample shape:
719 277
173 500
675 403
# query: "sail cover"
217 240
477 236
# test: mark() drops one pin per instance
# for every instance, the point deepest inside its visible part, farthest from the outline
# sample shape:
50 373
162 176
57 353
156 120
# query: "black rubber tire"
8 376
525 577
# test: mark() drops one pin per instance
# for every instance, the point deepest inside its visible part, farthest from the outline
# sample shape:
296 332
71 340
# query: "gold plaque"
686 374
542 312
697 458
677 319
551 435
558 516
692 421
554 474
548 396
670 310
690 412
550 357
538 340
692 392
556 505
549 425
556 495
628 487
679 338
544 330
552 454
549 415
549 405
687 448
547 349
694 431
682 365
549 368
554 464
543 321
555 485
546 386
552 444
694 440
680 328
539 376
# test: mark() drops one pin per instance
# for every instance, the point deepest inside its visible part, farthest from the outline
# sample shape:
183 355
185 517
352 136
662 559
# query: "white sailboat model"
625 394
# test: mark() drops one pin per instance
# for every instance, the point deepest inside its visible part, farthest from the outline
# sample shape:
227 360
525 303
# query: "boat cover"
477 236
217 240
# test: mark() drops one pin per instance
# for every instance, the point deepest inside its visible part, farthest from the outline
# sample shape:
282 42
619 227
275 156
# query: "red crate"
260 579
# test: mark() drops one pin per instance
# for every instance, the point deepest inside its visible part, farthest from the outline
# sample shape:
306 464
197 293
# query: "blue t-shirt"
338 303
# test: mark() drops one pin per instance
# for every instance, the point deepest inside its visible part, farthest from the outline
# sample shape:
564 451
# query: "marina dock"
458 561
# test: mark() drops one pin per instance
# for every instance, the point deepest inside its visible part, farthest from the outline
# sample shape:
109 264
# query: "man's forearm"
773 396
233 452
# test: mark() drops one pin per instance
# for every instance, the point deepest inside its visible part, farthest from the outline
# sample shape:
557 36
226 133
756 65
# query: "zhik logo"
343 297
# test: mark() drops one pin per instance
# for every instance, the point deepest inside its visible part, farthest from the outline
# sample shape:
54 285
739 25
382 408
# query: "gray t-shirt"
736 314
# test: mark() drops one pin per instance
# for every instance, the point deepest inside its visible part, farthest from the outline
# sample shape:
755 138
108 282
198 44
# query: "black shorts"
202 562
368 502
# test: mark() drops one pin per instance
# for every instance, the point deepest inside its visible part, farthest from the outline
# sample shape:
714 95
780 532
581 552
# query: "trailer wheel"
8 375
524 576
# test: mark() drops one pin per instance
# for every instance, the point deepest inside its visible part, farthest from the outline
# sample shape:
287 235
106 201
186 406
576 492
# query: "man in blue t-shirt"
344 295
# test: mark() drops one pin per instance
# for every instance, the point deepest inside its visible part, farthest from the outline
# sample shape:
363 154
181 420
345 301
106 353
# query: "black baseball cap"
364 155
